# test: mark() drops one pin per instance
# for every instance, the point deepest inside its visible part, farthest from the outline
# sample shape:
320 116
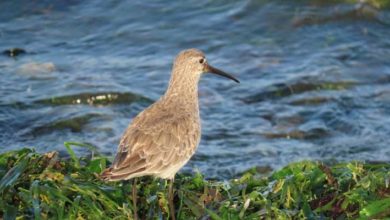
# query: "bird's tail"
106 174
109 174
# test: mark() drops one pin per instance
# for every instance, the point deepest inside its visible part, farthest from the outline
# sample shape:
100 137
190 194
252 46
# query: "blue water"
315 76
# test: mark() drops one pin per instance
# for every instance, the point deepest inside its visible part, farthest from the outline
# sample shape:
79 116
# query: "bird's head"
193 61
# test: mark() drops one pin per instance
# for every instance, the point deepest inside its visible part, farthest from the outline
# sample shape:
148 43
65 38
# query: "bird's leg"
134 195
171 195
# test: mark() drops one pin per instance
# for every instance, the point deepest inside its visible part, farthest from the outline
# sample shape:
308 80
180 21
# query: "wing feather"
151 145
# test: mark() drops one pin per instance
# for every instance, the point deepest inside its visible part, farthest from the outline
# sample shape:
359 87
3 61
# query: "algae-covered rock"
44 186
103 98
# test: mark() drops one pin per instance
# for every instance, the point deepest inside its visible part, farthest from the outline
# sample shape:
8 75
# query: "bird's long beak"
214 70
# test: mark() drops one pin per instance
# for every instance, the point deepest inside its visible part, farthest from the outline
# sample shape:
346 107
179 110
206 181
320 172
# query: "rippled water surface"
315 76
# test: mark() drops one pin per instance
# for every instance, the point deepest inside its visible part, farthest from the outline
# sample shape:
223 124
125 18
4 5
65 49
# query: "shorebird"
163 137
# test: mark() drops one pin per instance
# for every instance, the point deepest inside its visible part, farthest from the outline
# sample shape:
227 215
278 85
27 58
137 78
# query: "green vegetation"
104 98
284 90
380 4
44 186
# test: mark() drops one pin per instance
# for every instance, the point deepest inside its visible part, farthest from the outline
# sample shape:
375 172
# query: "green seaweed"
104 98
284 90
379 4
45 186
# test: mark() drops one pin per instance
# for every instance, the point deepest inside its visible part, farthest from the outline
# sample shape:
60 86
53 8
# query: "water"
315 77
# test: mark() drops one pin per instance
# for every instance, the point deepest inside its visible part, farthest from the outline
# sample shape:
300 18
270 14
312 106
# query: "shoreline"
45 186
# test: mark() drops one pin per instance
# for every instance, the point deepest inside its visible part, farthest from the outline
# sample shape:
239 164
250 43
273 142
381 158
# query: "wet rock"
13 52
298 134
74 124
360 11
106 98
284 90
310 101
36 68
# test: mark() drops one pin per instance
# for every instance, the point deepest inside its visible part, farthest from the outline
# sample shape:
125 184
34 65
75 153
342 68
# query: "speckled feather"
163 137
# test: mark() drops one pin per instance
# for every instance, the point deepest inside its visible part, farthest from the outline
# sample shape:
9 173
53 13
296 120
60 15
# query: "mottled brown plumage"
163 137
159 142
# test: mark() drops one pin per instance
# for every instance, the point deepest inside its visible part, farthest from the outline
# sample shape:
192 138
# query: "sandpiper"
163 137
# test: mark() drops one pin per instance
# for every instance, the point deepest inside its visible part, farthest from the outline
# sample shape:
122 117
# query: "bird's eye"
202 61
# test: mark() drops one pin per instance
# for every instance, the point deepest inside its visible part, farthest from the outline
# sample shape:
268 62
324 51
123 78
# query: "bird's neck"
183 89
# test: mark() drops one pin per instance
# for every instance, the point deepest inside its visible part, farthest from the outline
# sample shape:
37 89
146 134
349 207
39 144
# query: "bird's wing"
151 143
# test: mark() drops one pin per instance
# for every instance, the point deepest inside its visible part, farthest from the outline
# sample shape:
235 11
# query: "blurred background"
315 76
